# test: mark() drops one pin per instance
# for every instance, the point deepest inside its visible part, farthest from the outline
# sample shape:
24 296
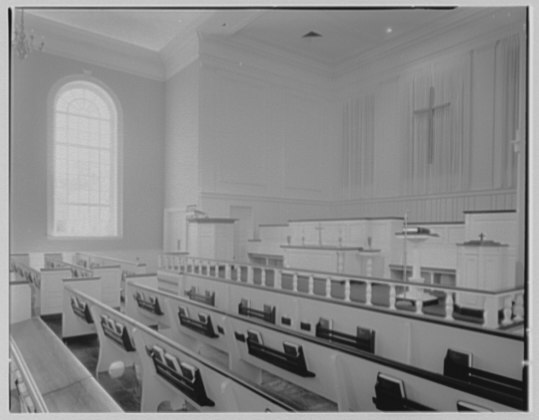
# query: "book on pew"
119 328
326 324
254 336
160 353
188 371
172 362
184 312
291 349
203 318
457 364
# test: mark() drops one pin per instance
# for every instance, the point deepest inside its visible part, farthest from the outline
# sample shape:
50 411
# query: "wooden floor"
65 384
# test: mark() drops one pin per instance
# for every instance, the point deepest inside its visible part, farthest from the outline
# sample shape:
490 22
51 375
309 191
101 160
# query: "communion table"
334 259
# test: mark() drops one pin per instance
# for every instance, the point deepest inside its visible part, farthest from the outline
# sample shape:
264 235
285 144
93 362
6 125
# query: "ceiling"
345 33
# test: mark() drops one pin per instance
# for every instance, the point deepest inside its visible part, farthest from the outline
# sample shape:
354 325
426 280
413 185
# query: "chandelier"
24 43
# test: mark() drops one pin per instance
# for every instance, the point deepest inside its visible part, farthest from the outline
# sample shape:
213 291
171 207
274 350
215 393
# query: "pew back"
182 374
312 363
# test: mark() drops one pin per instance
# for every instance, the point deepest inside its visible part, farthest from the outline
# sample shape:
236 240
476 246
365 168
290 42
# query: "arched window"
85 158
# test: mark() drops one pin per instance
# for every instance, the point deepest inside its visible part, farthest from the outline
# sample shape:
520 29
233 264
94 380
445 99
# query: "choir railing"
496 309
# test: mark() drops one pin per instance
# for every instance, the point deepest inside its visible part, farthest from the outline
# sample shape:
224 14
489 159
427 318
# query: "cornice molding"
178 55
66 41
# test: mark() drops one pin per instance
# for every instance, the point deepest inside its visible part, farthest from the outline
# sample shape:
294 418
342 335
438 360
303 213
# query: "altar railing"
496 309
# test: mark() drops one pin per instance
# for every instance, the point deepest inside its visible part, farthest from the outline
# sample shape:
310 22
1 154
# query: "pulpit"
211 238
482 265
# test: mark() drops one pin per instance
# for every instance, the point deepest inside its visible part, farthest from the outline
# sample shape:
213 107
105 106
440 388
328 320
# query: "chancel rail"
500 310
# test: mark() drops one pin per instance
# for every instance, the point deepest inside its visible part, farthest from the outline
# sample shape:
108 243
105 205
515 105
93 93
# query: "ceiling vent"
312 34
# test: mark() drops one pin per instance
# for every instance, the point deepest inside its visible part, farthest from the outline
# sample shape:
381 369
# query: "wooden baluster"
311 285
507 310
347 290
295 282
278 279
519 308
449 306
392 296
419 306
263 276
490 312
328 287
368 293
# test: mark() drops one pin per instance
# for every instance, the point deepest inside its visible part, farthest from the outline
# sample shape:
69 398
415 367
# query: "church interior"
269 209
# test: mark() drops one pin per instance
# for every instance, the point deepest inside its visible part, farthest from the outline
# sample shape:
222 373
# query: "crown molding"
178 55
73 43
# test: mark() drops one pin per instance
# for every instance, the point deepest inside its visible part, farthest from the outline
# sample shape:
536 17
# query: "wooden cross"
319 228
430 122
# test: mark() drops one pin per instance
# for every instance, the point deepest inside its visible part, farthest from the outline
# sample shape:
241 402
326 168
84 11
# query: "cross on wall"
319 228
430 110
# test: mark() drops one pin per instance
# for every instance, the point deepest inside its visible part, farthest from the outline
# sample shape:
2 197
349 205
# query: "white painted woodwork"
211 238
483 267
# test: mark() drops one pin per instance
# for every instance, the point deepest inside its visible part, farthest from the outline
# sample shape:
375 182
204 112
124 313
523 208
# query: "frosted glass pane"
82 174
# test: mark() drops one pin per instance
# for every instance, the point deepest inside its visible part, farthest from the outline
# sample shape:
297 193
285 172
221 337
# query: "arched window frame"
106 94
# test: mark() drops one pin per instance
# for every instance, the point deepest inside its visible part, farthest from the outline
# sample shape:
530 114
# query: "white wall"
481 183
142 102
182 138
268 138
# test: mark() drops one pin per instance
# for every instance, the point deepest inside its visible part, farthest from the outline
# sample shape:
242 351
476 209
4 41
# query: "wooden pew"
111 276
20 301
22 383
171 372
400 336
76 317
458 365
98 263
310 362
63 382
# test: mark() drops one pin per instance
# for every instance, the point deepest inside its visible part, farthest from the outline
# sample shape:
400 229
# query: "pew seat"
64 383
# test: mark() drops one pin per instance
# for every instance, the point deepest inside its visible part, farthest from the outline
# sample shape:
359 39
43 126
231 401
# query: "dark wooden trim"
212 220
488 211
345 219
324 247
